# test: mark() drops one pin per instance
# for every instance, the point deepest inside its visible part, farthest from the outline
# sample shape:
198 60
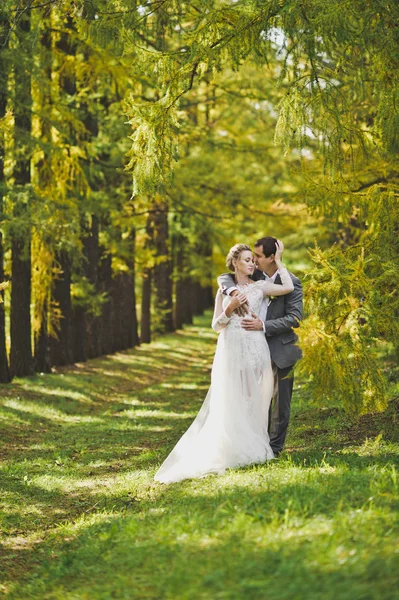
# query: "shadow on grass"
83 445
123 372
81 456
315 426
232 539
349 459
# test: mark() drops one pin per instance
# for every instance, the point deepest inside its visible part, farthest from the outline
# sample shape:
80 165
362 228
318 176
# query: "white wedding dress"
230 429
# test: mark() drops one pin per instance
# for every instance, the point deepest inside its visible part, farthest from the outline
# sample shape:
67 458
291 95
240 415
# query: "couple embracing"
245 415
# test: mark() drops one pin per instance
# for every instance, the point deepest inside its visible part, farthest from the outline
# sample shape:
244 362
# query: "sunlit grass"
48 412
82 517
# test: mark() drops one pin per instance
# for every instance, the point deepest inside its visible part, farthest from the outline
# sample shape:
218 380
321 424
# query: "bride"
230 429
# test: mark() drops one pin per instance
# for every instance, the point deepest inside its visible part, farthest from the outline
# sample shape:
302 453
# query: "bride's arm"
222 317
275 289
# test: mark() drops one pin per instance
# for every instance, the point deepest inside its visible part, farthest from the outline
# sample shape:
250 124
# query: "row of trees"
336 68
232 116
71 242
94 269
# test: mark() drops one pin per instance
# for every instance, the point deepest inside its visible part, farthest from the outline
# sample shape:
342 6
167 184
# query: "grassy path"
83 519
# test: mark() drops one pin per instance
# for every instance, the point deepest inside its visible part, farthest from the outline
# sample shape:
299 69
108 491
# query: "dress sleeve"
275 289
220 319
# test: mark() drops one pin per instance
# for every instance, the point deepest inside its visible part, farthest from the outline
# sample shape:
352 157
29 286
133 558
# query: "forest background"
139 141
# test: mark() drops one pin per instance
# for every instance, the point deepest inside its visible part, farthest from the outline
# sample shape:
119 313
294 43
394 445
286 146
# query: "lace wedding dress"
230 429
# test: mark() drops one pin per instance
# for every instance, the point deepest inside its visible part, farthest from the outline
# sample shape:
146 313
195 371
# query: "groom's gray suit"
283 315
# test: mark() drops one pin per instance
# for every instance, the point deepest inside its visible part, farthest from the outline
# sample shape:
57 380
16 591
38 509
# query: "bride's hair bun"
234 254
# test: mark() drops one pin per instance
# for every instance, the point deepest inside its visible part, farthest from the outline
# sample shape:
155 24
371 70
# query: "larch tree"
21 359
339 72
241 113
5 376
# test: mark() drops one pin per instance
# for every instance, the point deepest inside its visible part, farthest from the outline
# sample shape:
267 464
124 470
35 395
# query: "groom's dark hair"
268 244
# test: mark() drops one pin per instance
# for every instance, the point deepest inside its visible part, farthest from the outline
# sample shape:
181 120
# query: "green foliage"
240 115
85 295
77 146
352 297
337 70
154 139
329 62
45 273
338 337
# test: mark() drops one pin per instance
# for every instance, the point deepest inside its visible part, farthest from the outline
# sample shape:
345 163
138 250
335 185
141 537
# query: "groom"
277 318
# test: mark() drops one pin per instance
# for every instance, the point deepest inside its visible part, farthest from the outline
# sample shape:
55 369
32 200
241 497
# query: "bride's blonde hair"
234 254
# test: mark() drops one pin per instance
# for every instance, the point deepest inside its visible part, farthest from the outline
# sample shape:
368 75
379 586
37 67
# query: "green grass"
82 517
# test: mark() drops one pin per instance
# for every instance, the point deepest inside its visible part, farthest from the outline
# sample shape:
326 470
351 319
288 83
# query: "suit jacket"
283 315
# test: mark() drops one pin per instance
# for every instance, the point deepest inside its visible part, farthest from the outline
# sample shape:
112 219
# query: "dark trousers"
279 413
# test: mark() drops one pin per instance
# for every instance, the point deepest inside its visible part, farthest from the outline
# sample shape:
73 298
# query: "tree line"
335 69
68 241
234 119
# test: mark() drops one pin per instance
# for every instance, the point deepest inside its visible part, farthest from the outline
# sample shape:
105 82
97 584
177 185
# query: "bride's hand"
238 300
242 310
238 304
279 252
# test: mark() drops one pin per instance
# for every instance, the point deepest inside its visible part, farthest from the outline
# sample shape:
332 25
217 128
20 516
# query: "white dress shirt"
266 301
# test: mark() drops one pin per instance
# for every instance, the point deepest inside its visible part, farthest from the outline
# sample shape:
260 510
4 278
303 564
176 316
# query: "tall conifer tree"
4 70
21 359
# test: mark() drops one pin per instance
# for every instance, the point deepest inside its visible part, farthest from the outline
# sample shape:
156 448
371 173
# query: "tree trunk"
86 337
61 347
179 286
146 324
105 286
133 322
117 313
145 329
42 338
93 259
202 295
187 305
183 304
21 360
42 346
208 297
126 310
79 334
163 268
5 376
89 323
196 298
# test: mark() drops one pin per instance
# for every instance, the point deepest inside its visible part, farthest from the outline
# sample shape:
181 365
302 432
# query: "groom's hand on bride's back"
252 323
